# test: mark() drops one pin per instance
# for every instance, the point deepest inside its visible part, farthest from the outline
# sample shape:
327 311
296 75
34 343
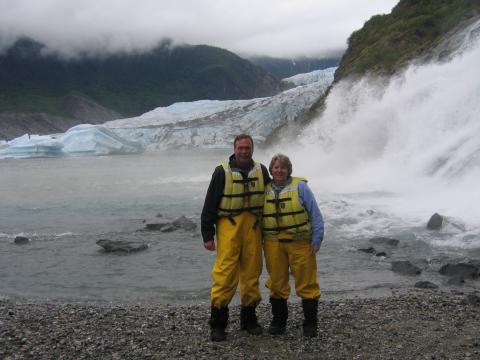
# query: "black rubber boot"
248 320
218 323
280 315
310 309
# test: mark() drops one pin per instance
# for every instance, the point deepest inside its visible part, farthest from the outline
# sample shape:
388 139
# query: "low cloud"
279 28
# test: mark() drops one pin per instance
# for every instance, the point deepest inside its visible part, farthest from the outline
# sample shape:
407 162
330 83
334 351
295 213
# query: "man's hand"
315 249
209 245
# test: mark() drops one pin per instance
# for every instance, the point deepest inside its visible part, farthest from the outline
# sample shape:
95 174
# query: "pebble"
410 324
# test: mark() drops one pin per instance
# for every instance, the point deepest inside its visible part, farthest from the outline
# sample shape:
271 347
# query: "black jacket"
214 196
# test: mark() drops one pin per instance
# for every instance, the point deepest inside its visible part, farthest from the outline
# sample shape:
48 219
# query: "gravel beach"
419 325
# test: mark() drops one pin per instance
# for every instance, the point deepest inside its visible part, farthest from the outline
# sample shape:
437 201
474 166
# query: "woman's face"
279 173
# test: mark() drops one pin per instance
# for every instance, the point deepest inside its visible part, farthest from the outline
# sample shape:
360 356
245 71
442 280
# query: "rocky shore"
423 324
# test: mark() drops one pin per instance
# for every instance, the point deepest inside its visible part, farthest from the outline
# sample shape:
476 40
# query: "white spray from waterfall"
416 135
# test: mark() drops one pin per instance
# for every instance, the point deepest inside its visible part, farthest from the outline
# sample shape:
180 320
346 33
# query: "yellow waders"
296 255
239 258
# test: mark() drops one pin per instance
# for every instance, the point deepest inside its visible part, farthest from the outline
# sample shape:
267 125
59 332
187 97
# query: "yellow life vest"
284 217
241 194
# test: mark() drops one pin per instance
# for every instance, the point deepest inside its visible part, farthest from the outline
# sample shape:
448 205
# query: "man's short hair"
241 137
284 160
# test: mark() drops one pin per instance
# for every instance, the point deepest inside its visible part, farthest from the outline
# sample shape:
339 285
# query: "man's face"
243 151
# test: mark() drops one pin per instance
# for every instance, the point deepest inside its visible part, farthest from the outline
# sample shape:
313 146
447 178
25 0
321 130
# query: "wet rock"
21 240
435 222
426 285
456 280
157 225
121 246
369 250
384 241
472 299
154 226
184 223
405 268
373 251
467 270
169 228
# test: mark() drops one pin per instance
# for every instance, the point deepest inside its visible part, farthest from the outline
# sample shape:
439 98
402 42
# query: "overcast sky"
279 28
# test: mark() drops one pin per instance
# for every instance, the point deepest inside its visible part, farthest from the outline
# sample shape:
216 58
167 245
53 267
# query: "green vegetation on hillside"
387 42
130 84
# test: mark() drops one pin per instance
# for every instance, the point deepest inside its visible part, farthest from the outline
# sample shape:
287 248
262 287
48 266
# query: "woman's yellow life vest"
284 217
241 194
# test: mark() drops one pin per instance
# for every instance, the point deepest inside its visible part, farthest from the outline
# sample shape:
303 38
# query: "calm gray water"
65 205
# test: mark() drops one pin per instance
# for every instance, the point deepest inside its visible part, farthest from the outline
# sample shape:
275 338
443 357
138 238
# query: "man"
234 205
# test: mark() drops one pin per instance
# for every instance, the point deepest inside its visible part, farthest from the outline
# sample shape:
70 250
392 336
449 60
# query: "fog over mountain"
279 28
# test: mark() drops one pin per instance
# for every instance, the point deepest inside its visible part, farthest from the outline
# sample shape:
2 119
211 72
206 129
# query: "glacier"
214 123
197 124
323 76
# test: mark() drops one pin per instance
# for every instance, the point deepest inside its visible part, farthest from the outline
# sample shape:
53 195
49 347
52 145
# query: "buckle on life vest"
285 240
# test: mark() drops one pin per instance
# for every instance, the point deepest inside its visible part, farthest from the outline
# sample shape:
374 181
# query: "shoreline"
421 324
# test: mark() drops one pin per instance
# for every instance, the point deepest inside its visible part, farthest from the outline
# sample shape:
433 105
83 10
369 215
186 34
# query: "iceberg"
28 146
86 139
80 140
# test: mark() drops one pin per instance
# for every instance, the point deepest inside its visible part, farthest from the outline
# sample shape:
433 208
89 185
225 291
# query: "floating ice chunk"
28 146
89 139
80 140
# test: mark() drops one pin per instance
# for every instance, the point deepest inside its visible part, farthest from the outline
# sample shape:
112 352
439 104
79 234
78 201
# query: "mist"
414 138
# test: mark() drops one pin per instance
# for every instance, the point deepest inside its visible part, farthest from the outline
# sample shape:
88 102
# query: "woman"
292 232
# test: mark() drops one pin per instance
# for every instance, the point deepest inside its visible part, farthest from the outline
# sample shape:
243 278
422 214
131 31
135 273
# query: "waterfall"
415 135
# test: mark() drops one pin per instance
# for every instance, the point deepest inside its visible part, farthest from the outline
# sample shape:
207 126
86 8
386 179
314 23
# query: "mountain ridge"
35 81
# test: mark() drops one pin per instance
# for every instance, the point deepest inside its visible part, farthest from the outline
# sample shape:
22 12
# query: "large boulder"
472 299
369 250
405 268
372 250
384 241
470 270
168 226
425 285
157 224
184 223
456 280
21 240
435 222
121 246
